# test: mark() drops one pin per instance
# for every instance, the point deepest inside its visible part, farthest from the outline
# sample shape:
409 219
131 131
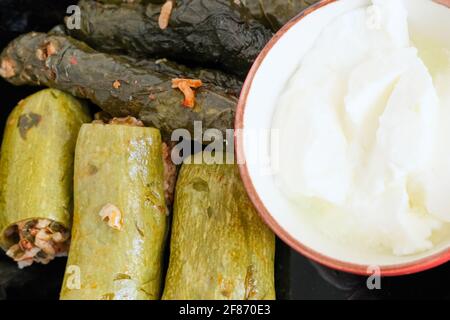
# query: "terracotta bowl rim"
428 262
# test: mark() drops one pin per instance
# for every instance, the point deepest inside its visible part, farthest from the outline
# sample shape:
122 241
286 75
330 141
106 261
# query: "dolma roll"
219 247
276 13
36 170
120 214
114 83
206 32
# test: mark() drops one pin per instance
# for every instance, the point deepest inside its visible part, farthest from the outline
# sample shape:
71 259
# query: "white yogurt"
365 130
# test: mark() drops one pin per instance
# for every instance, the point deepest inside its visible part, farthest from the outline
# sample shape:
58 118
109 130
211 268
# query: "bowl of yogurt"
343 134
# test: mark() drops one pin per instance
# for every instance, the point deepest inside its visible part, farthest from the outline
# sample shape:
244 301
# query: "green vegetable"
276 13
113 83
36 167
229 83
220 248
120 215
212 32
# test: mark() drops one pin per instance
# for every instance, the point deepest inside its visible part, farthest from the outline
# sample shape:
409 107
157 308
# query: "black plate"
296 276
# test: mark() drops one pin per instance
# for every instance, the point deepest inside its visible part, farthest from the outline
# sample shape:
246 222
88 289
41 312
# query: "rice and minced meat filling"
37 240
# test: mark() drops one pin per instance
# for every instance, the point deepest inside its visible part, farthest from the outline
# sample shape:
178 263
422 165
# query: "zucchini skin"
76 68
36 162
119 165
211 32
220 248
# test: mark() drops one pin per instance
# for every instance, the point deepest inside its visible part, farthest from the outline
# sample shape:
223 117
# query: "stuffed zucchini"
120 215
220 248
36 169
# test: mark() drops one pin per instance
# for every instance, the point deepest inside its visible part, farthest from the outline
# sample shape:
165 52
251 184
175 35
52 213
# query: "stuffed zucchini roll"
36 170
220 248
120 214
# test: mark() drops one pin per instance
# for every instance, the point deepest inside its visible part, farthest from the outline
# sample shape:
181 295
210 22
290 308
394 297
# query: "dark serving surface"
296 277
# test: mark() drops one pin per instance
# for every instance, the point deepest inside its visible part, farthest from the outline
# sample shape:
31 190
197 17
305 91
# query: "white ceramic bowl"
258 100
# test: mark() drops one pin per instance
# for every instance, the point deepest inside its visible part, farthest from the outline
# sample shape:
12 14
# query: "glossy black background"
296 276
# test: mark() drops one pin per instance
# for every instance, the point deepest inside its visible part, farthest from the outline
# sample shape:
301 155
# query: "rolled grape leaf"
36 169
212 32
120 216
275 13
113 83
219 247
230 84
